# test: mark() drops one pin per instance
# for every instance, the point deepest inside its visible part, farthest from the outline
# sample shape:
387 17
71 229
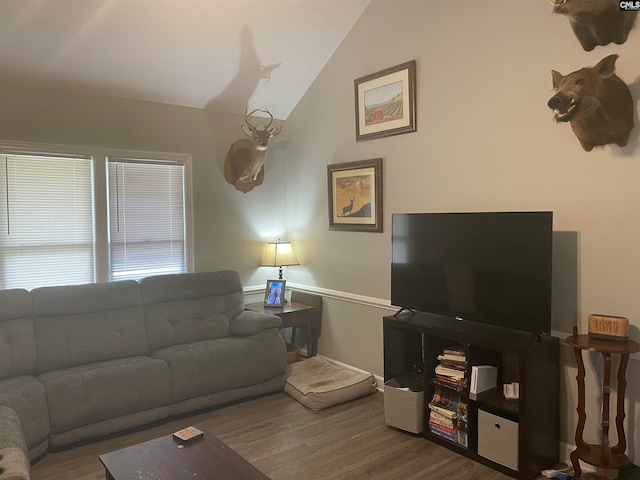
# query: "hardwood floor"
287 441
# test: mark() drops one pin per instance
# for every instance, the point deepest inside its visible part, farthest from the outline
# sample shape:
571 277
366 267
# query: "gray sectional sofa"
80 362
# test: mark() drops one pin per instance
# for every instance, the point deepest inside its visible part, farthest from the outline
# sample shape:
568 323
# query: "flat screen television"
489 267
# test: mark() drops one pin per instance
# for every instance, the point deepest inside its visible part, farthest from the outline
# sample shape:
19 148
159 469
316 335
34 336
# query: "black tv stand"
532 360
404 309
535 338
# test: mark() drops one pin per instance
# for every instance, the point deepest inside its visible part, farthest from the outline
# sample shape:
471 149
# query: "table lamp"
279 254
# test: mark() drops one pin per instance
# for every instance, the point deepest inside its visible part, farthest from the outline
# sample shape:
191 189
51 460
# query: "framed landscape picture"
355 196
385 102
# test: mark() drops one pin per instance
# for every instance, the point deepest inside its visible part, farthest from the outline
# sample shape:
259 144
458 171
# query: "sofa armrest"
250 323
13 450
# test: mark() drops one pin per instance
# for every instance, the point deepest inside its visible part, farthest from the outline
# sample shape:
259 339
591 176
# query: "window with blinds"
46 216
71 215
146 218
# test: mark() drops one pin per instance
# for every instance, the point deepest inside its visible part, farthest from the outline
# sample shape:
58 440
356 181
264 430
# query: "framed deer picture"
355 196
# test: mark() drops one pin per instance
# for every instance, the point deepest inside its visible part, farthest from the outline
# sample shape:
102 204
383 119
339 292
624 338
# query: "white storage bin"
403 408
498 439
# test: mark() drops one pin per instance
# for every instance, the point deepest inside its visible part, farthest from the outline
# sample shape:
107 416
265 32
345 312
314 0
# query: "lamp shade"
279 254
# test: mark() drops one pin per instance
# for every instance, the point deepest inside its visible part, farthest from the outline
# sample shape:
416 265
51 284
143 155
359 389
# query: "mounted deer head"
243 166
260 138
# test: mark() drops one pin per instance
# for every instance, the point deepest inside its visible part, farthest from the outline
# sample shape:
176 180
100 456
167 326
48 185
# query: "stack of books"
448 411
451 371
443 414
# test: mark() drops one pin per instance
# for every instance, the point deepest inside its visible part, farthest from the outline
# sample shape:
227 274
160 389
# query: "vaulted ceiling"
225 55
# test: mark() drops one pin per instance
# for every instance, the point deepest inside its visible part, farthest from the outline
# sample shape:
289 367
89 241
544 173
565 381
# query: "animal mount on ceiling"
244 165
596 102
596 22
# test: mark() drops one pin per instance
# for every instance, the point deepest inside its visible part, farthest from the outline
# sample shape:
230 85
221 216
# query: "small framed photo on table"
274 293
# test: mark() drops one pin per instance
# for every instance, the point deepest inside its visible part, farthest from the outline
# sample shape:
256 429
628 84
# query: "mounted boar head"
596 22
596 102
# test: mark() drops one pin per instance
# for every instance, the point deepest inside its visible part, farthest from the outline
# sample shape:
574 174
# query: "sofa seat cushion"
92 393
27 397
211 366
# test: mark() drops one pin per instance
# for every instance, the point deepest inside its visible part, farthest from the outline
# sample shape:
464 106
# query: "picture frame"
385 102
355 195
274 293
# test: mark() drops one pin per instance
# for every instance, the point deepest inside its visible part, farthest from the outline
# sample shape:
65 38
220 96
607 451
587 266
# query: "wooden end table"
293 314
167 458
603 455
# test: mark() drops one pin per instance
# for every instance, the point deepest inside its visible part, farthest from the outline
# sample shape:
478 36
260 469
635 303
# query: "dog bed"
317 383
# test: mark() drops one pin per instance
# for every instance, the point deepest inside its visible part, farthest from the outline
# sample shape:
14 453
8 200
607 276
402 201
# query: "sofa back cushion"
190 307
17 340
80 324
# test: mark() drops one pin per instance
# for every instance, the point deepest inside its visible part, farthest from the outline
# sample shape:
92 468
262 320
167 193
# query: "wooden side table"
603 456
293 314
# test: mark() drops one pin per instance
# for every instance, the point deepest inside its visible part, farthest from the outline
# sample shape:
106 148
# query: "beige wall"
230 227
485 141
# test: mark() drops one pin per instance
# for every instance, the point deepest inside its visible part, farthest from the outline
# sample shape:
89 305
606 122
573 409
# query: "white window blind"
146 218
46 216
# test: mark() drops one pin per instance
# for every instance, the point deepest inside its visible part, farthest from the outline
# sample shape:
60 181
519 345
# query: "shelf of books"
448 357
448 408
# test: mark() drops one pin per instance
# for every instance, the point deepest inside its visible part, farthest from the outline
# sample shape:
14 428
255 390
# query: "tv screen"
490 267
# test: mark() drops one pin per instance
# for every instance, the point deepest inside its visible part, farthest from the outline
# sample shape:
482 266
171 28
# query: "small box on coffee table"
189 433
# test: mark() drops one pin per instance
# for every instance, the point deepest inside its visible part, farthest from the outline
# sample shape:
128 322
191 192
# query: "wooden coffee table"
167 458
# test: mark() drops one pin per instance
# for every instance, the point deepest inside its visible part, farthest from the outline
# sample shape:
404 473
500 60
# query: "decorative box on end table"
603 455
293 314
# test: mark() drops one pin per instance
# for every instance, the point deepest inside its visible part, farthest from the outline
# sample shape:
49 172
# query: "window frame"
99 158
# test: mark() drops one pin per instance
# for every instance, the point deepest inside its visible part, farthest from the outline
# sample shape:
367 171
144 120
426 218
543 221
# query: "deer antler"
255 127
